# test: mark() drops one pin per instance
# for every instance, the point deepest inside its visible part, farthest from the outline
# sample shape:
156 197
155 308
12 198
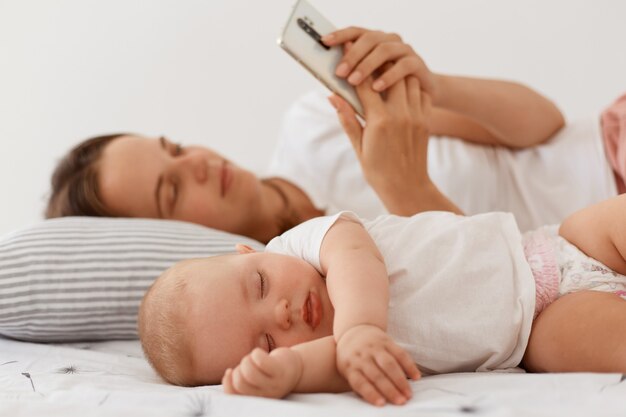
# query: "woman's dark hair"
74 183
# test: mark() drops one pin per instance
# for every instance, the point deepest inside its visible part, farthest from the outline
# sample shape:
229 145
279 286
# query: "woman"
134 176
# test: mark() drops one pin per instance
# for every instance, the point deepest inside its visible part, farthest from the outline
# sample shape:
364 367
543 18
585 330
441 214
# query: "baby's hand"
261 374
374 366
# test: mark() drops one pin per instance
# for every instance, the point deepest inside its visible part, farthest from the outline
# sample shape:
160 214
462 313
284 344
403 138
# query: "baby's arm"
307 367
358 286
600 232
356 277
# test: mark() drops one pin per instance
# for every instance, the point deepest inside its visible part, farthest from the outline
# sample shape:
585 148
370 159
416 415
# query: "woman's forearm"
514 114
417 199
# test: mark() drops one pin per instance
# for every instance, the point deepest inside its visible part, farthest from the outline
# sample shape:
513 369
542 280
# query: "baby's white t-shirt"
462 295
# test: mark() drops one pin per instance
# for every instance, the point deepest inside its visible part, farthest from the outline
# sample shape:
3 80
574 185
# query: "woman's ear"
242 249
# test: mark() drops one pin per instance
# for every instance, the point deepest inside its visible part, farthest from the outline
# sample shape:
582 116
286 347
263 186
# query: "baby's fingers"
227 382
362 386
405 360
252 372
383 383
241 384
394 372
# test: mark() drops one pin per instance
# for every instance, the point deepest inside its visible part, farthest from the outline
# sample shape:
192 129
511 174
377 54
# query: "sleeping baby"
339 303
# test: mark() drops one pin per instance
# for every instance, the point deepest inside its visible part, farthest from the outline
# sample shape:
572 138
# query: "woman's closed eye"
174 149
174 185
172 195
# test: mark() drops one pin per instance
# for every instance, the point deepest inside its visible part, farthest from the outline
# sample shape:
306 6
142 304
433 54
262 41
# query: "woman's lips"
312 310
226 177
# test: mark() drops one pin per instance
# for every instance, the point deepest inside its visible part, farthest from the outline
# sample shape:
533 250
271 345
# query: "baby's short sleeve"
305 240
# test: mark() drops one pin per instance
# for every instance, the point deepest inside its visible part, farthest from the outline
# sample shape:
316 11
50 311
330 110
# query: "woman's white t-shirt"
540 185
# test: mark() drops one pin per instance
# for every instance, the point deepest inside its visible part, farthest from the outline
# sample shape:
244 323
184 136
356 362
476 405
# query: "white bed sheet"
113 378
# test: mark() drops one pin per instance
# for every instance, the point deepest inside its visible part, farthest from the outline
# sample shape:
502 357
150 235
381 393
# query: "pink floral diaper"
561 268
541 256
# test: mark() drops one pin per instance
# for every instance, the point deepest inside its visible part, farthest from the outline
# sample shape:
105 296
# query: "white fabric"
541 185
462 295
113 379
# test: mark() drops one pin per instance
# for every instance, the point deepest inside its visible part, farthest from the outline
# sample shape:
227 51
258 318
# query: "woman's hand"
263 374
369 50
375 366
492 112
392 146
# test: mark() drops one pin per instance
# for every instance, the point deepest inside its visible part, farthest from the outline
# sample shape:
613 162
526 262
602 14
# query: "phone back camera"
312 32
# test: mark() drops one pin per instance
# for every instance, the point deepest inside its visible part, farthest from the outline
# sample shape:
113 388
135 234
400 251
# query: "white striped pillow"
82 278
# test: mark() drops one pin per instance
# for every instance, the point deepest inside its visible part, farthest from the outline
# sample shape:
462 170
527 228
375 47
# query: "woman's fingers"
420 102
397 97
427 106
402 68
348 120
371 100
414 94
370 50
342 35
370 60
383 46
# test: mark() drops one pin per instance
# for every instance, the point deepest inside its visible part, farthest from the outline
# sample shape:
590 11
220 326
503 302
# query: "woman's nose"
195 165
282 314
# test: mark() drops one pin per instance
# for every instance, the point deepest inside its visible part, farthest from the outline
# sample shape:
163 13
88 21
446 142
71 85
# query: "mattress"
113 378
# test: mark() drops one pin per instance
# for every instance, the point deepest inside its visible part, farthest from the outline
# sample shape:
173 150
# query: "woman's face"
155 178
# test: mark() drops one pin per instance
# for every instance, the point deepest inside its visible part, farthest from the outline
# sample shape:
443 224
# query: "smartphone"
302 39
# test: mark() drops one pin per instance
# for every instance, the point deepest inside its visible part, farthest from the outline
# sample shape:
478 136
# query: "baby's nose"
283 314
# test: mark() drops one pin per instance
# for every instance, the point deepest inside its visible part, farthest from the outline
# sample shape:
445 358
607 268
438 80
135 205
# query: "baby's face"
252 300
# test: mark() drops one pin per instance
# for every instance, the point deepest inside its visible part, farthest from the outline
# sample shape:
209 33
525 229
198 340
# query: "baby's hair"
162 328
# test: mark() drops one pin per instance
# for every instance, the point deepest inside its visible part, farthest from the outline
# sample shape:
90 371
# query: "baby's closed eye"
271 345
262 284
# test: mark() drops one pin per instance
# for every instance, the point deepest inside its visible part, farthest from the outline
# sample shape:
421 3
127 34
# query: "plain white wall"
210 72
